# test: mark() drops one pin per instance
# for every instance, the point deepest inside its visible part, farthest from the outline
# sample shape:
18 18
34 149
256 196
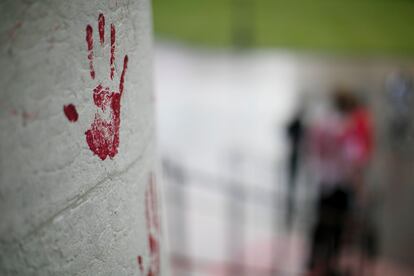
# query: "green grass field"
350 26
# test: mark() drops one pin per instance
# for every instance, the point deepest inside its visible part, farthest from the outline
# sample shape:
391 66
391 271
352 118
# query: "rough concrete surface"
64 210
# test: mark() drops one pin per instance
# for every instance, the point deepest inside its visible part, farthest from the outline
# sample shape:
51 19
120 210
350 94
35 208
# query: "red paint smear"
139 260
153 244
151 214
155 255
28 116
152 204
112 58
89 42
14 112
148 217
153 193
13 30
70 112
101 27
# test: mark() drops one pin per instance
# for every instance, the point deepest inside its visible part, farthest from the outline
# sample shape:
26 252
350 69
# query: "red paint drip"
112 58
70 112
101 27
140 265
89 42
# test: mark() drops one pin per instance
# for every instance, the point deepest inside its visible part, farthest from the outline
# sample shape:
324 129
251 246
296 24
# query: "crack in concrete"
79 199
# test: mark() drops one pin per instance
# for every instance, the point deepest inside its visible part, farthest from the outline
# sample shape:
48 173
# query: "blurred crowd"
336 150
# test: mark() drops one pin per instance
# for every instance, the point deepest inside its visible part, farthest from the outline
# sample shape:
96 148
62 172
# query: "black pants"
332 214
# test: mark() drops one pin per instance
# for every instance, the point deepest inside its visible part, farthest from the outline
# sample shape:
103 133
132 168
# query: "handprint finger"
89 42
101 28
112 58
121 82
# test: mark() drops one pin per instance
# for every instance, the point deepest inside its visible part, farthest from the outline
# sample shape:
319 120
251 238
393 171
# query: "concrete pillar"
78 189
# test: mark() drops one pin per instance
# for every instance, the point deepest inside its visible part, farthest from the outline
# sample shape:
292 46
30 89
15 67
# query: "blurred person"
341 145
400 99
295 132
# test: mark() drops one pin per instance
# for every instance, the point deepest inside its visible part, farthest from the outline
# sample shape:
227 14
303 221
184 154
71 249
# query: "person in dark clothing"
295 133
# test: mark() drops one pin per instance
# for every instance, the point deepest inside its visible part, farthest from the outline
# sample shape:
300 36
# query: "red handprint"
153 227
103 135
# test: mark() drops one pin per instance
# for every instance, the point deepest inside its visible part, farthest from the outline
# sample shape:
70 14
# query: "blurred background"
285 130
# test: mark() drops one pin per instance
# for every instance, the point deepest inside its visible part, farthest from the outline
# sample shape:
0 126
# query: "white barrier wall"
78 192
